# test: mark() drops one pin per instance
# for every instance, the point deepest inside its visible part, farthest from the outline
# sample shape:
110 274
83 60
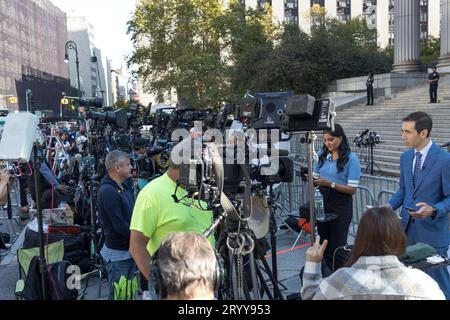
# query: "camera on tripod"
367 139
263 120
118 117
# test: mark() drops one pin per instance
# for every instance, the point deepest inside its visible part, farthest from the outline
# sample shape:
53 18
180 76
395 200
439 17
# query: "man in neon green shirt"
156 214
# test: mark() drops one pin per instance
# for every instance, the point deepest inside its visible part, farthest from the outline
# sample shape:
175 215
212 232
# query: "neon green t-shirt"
156 214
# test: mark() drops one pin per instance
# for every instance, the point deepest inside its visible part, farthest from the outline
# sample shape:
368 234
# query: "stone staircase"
385 118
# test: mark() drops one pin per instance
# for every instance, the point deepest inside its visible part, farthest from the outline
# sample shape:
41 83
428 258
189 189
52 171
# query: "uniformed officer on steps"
433 79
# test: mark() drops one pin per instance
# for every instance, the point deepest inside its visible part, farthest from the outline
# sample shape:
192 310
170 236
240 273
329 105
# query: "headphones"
156 280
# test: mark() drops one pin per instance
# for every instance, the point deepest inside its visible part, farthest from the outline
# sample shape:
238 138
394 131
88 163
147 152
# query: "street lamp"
28 97
99 80
72 45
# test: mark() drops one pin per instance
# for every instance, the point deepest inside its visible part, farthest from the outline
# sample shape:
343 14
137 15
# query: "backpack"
58 277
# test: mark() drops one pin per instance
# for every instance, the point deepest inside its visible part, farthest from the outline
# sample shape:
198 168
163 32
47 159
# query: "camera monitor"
322 118
18 136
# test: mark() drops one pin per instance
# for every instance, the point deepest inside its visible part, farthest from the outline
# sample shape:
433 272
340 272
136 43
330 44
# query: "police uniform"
433 86
369 85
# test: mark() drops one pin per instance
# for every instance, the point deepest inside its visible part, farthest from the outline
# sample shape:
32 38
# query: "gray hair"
114 159
187 261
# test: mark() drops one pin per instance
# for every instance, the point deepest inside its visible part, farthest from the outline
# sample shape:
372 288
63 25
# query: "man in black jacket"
115 206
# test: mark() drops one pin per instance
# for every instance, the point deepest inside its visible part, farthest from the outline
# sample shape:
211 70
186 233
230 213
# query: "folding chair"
24 257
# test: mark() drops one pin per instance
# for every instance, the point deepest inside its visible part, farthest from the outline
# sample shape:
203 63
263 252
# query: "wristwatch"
433 214
333 185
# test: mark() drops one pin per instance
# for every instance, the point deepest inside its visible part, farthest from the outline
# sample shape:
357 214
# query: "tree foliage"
211 53
178 44
430 50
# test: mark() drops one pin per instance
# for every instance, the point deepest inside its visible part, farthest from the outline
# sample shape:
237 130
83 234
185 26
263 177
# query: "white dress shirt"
424 153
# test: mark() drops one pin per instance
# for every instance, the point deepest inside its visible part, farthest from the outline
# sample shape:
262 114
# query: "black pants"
335 232
433 93
370 95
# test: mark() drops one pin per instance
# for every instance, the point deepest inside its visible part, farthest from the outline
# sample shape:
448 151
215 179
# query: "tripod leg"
264 287
296 240
253 274
276 289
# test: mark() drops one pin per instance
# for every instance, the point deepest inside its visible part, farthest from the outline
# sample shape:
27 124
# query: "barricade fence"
372 191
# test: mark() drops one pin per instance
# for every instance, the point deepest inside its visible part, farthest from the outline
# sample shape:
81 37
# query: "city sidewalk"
289 266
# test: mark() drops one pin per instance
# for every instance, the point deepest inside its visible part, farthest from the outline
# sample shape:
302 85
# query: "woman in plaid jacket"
373 270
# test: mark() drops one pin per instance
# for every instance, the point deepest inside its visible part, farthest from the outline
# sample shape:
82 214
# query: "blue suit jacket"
432 187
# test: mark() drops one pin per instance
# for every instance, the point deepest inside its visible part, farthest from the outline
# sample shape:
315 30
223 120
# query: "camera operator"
47 179
156 214
5 177
337 175
115 206
142 164
81 139
185 268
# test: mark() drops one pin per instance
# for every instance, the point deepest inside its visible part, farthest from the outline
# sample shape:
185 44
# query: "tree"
250 35
430 50
178 45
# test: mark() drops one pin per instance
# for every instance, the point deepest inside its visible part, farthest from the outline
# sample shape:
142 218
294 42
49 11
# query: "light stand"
92 191
42 260
95 60
371 162
28 95
309 140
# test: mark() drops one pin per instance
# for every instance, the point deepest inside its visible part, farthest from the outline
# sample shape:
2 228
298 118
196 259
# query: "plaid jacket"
370 278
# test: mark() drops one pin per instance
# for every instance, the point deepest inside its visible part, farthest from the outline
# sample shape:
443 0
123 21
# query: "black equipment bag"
76 247
57 280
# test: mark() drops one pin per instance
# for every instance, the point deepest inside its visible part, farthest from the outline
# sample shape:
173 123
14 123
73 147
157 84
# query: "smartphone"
412 208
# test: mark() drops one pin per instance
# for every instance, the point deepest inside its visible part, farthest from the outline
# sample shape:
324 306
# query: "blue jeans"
117 269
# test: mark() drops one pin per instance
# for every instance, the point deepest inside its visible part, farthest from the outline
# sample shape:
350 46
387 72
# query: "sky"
109 18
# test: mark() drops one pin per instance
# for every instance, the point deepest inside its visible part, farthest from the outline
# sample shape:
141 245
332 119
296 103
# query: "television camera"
226 171
367 138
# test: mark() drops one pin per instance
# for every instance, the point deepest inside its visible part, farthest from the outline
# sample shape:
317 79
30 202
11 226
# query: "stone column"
406 36
444 59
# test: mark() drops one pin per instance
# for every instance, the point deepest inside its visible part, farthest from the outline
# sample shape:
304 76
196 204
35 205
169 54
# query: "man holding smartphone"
424 191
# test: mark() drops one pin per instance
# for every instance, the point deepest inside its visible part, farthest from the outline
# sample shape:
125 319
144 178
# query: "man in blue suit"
425 191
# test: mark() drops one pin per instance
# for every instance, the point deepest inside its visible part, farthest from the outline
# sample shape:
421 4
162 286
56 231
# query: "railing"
372 191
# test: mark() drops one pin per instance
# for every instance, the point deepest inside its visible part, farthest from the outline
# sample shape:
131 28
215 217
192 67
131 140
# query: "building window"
423 20
343 10
370 12
319 2
291 11
262 2
391 22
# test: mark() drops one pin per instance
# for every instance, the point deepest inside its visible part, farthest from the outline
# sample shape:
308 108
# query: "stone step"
385 118
389 118
431 108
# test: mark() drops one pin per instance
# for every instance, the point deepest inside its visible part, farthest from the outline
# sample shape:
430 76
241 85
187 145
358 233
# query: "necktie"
417 167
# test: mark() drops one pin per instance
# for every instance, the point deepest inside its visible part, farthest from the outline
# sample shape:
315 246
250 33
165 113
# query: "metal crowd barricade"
372 191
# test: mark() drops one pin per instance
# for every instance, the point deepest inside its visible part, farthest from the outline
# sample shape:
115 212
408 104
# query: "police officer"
433 79
369 85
